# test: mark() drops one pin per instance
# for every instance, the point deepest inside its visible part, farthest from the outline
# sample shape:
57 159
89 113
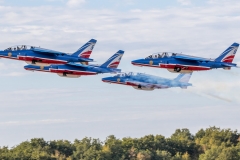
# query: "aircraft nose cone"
137 62
105 79
25 67
108 79
30 67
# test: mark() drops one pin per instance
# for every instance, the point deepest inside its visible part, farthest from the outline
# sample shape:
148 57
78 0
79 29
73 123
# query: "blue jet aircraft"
141 81
45 57
75 70
175 62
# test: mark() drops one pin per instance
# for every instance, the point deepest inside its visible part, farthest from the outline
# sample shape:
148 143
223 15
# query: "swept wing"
46 51
191 58
52 53
101 70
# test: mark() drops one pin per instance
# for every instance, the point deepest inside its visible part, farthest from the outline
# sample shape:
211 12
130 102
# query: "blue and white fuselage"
75 70
45 57
175 62
143 81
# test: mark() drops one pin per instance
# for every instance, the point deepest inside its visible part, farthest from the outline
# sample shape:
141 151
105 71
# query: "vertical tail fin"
183 77
114 61
86 50
229 54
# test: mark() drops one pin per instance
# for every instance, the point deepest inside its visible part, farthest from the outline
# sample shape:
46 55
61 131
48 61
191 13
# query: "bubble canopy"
20 47
33 48
127 74
160 55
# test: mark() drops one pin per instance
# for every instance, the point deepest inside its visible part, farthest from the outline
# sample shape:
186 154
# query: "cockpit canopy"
26 47
160 55
121 75
127 74
20 47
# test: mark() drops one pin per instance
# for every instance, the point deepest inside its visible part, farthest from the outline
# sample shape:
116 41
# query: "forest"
207 144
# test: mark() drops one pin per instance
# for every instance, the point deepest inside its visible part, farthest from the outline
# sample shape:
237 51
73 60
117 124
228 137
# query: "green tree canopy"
207 144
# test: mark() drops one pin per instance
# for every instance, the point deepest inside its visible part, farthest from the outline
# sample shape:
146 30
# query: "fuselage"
178 65
73 71
37 58
134 80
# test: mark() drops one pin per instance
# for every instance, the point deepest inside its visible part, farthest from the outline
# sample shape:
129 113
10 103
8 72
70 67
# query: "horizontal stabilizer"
229 65
85 59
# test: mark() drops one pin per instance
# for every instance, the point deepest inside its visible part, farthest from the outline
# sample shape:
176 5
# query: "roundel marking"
9 54
151 62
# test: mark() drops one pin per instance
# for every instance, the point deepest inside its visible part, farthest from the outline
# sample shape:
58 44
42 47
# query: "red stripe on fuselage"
183 67
140 64
172 66
41 60
131 84
8 57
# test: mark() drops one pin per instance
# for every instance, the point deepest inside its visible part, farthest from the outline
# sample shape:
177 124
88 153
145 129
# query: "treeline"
209 144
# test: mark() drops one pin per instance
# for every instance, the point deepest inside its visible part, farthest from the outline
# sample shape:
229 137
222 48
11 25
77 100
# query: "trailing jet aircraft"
75 70
45 57
147 82
186 64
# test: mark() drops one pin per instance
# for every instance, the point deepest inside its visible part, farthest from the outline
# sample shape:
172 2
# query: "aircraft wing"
146 85
191 58
46 51
51 52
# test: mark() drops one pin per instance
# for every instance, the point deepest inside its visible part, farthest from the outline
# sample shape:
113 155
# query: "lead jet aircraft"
175 62
45 57
75 70
141 81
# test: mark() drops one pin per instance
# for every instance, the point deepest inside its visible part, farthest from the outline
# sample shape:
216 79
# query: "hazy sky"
34 104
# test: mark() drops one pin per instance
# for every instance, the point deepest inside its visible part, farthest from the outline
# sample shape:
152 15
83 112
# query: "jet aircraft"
175 62
45 57
75 70
141 81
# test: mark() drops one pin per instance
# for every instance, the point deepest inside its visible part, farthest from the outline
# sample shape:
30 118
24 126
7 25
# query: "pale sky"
43 105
